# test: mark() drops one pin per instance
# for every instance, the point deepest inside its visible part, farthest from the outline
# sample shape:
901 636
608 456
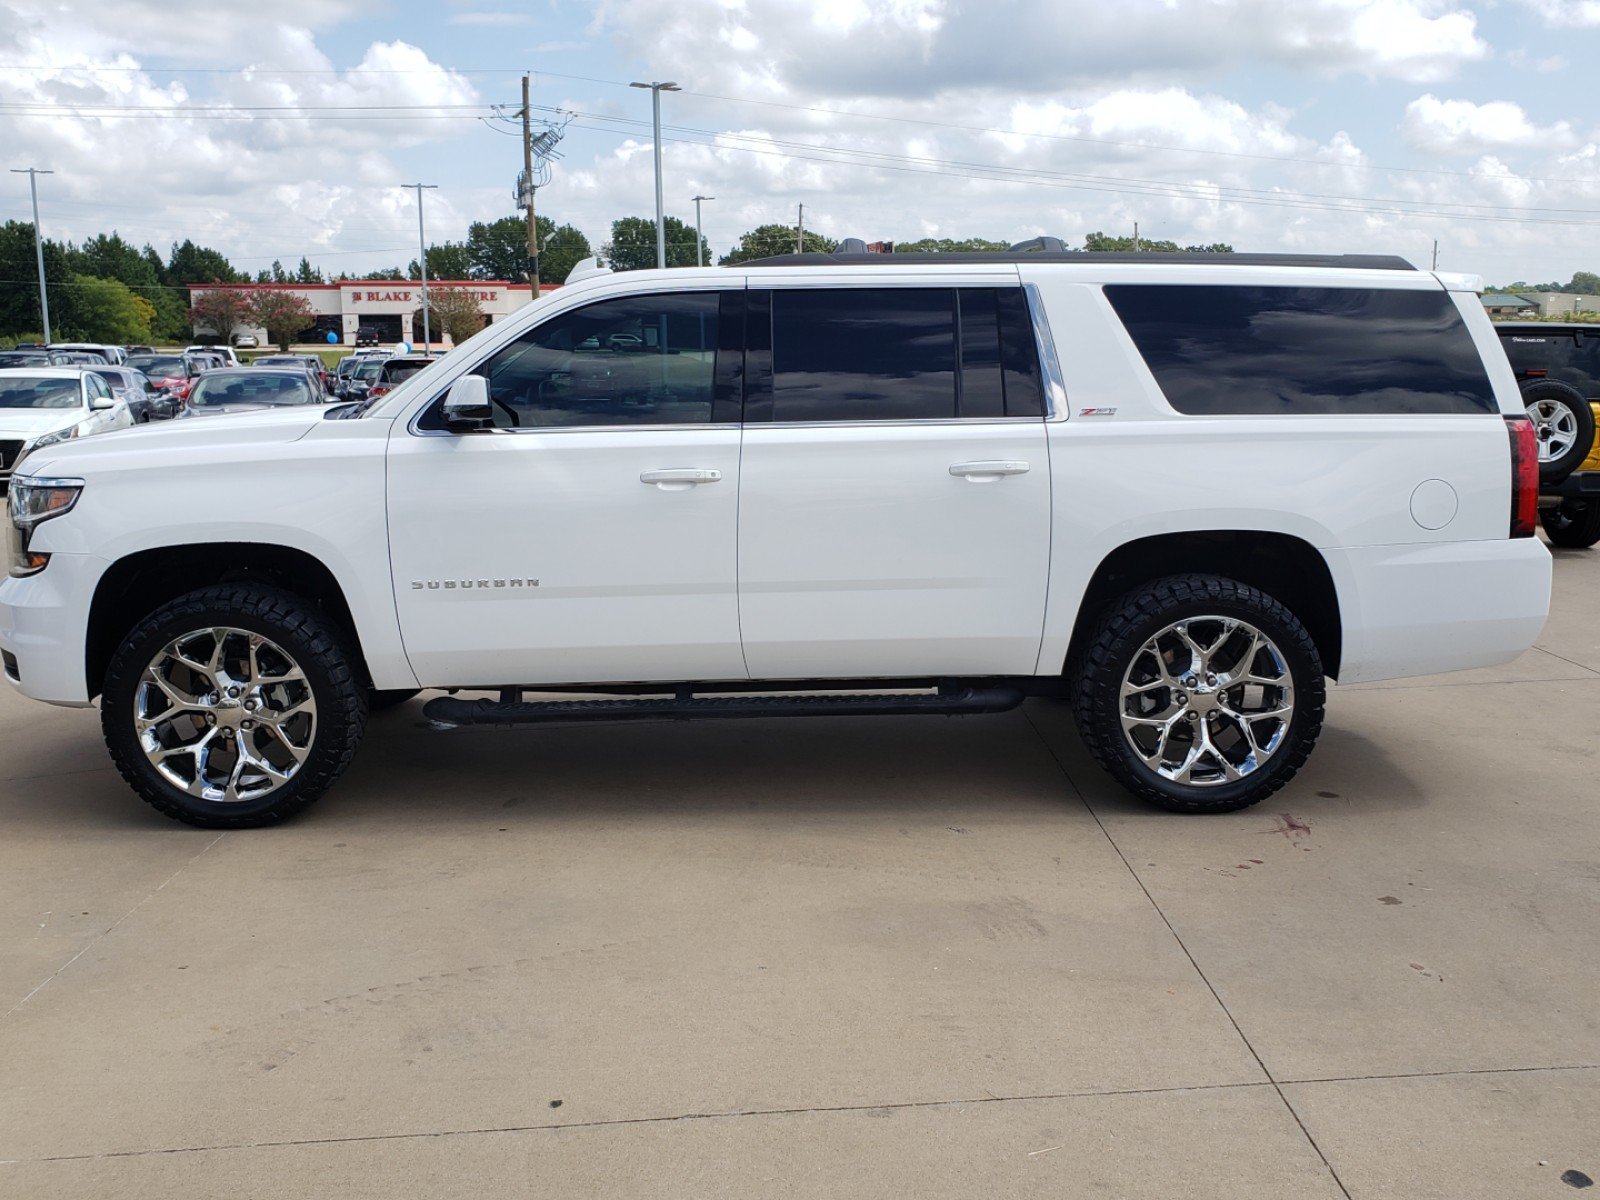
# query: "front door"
895 497
591 536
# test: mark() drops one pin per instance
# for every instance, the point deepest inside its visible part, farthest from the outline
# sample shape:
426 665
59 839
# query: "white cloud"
1461 127
905 47
1568 14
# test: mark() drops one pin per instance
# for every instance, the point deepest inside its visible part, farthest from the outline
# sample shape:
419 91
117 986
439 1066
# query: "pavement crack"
1187 953
111 928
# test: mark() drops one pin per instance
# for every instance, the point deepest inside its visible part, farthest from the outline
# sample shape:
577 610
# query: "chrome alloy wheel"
1207 701
225 715
1555 426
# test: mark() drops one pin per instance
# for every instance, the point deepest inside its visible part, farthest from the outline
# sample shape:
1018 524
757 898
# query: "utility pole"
1136 237
527 175
800 232
1435 254
422 260
655 109
33 174
699 238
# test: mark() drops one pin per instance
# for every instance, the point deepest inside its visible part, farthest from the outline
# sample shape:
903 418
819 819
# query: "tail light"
377 390
1524 476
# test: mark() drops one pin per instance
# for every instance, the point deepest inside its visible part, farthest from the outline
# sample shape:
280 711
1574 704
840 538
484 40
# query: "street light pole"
699 240
655 110
33 174
422 261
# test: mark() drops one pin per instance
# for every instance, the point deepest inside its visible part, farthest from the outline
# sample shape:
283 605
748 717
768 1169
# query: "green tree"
306 273
282 314
222 310
450 261
387 274
197 264
453 310
19 296
768 241
106 310
948 246
559 251
499 249
633 244
1105 241
1585 283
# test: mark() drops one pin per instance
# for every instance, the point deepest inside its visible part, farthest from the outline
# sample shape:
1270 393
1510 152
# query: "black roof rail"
1368 262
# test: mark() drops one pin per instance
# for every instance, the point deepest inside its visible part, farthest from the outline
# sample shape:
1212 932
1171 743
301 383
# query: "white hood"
31 422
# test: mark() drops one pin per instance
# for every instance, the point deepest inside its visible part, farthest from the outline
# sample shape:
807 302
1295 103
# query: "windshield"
399 372
158 364
367 371
40 393
24 360
214 391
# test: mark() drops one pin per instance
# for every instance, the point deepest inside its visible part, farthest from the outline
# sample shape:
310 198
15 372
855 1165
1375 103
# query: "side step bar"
451 711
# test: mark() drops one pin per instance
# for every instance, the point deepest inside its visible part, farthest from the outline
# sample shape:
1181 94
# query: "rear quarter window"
1291 351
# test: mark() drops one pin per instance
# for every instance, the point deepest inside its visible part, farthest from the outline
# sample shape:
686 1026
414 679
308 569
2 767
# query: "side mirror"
466 405
101 403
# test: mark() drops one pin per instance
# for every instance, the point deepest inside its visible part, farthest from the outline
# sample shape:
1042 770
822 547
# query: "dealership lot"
881 957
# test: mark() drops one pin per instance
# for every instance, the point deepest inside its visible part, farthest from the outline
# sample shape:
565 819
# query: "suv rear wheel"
1564 424
233 706
1200 694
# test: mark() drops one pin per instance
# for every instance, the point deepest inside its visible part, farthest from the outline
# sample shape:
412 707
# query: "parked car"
396 370
367 335
225 354
139 349
250 389
309 363
24 358
245 341
1177 491
43 406
133 388
358 385
111 354
68 358
172 374
1558 368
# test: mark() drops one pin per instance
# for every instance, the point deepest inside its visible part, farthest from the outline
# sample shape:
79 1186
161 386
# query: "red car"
171 374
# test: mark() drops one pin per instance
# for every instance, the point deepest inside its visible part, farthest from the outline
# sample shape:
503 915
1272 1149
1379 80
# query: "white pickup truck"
1180 491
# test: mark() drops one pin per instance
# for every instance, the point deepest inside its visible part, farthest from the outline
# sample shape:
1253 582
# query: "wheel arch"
1288 568
138 583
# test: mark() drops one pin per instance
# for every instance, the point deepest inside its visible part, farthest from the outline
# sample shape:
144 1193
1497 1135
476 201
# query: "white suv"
1181 492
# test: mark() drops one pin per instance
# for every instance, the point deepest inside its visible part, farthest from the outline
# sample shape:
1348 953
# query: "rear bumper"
44 620
1426 609
1582 484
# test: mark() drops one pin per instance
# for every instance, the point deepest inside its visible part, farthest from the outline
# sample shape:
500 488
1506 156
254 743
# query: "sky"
286 129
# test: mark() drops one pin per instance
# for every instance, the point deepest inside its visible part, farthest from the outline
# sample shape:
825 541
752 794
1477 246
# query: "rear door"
894 515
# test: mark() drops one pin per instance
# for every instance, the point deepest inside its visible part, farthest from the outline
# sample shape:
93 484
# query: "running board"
451 711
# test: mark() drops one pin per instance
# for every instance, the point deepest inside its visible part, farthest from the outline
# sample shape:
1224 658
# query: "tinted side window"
635 360
891 354
1278 350
863 354
1554 353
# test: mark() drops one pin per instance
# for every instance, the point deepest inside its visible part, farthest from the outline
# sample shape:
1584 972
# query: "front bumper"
1448 606
44 621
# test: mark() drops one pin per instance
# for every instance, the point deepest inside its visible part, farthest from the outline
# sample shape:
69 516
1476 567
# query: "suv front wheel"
233 706
1200 694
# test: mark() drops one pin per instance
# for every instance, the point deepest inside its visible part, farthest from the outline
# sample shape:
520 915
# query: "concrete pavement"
888 957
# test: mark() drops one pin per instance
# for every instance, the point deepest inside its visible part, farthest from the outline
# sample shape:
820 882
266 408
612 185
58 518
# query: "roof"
46 372
1550 326
1506 300
1369 262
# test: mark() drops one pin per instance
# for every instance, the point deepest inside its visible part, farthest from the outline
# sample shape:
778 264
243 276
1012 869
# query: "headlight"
31 503
60 435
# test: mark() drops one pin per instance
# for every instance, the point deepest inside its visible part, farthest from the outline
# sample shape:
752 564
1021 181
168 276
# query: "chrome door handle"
988 472
678 479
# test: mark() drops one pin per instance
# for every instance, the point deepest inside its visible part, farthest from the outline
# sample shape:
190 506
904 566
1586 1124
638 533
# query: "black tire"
1574 524
1560 398
316 645
1122 633
378 702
